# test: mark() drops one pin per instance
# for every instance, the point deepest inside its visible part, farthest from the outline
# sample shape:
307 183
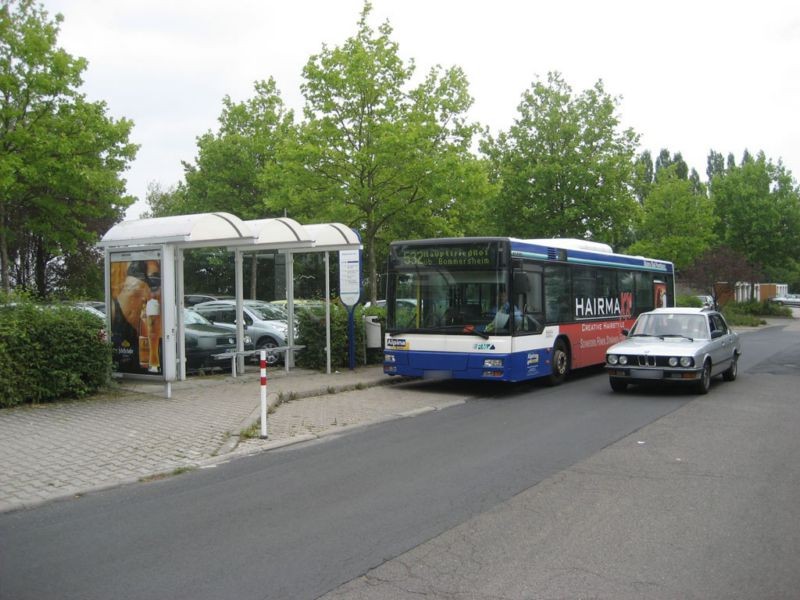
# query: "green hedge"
311 324
750 314
48 353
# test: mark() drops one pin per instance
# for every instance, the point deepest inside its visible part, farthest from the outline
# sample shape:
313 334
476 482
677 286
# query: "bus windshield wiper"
471 329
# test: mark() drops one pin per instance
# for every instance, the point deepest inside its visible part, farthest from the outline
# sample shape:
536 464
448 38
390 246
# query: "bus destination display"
474 255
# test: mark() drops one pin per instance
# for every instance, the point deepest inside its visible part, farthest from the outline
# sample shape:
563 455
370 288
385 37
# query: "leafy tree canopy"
678 223
758 207
238 169
379 154
566 166
60 155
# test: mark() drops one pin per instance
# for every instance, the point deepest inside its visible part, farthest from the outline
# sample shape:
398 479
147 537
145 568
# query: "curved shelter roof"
333 236
280 233
204 229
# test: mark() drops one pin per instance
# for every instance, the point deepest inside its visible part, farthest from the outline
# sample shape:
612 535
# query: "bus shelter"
144 287
328 237
320 237
144 280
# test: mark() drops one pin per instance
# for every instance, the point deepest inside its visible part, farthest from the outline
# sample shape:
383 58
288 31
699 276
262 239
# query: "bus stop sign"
349 277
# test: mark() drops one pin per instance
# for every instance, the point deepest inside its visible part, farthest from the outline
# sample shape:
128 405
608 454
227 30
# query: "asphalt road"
448 502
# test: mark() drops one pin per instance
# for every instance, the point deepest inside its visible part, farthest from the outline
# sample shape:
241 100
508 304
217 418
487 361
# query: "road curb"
275 399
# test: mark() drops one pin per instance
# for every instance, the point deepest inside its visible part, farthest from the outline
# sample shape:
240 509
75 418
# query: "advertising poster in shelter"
136 325
660 294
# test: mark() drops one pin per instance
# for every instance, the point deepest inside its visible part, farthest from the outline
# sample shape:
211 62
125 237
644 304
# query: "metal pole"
239 290
179 291
263 394
328 311
351 333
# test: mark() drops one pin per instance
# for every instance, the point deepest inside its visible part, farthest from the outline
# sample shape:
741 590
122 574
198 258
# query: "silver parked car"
264 323
675 345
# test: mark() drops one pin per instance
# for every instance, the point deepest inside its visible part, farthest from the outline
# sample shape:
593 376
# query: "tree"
379 155
758 207
720 264
678 222
165 202
239 169
565 165
715 164
60 155
643 175
675 162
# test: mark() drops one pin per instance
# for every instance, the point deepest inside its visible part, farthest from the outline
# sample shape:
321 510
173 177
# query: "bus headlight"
687 361
493 363
389 358
612 359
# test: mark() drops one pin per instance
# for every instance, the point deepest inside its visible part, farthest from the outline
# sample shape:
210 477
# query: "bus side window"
557 292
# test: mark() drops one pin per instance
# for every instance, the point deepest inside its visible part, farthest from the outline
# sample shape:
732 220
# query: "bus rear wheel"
560 363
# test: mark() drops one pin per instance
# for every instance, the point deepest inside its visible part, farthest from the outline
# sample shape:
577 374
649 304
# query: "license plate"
647 373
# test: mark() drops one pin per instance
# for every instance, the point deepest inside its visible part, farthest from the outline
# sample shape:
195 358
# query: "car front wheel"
705 379
618 385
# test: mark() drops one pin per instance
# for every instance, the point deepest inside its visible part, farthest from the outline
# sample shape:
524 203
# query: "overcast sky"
693 75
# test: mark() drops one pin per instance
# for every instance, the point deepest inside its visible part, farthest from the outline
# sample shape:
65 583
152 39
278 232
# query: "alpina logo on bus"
397 344
484 346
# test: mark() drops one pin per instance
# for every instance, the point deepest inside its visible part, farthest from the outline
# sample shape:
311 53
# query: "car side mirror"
625 332
717 334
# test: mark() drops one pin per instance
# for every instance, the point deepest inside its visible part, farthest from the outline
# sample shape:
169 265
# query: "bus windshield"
440 300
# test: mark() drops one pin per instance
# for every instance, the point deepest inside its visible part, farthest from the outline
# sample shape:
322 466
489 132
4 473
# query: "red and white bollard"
263 394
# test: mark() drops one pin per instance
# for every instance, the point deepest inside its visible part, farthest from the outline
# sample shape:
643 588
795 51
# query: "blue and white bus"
508 309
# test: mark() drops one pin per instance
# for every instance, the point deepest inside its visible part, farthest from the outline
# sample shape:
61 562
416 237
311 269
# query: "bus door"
528 300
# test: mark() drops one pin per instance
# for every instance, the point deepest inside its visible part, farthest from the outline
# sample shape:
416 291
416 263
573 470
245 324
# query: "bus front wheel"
560 363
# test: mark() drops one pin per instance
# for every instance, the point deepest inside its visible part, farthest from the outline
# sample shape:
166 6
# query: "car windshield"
267 312
192 317
671 324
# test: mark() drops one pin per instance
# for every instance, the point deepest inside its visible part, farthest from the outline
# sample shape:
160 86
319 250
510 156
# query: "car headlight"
687 361
623 360
247 339
673 361
612 359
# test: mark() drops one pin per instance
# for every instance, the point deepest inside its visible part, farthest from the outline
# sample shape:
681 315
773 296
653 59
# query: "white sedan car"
675 345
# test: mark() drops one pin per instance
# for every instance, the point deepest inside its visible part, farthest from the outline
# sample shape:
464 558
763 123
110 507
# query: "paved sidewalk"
66 449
